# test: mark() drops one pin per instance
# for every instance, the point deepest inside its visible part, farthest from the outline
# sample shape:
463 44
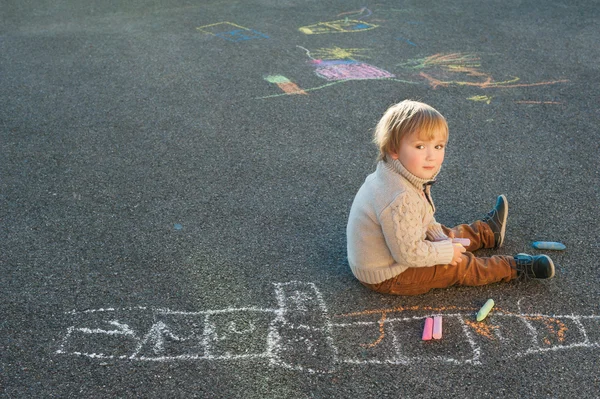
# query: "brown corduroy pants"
471 271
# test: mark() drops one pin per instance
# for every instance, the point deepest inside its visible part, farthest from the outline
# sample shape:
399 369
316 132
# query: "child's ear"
393 155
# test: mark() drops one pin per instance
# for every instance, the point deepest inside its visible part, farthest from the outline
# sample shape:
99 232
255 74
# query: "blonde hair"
403 119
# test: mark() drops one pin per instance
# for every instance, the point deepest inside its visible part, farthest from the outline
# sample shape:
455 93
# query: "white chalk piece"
556 246
437 327
465 242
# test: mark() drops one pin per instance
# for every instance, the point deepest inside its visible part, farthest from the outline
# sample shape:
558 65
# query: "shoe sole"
551 265
503 230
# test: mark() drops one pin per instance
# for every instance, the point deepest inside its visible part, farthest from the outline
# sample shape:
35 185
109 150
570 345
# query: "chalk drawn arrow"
156 337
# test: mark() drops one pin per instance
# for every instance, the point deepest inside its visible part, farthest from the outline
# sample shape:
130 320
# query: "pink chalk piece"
437 327
465 242
428 330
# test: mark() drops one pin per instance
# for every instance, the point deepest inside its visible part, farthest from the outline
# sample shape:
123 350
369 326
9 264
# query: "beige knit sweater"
391 226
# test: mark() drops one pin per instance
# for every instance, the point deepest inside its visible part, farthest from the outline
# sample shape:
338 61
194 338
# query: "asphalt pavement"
176 176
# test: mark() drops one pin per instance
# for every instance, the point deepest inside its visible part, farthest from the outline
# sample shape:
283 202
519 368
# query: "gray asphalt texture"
148 166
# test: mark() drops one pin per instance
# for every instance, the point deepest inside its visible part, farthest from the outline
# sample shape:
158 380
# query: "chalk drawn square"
303 348
591 326
350 70
105 334
173 336
239 333
555 331
455 347
363 341
501 335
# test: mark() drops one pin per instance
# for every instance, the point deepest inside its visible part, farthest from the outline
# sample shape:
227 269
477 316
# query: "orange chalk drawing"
381 332
552 324
483 329
285 84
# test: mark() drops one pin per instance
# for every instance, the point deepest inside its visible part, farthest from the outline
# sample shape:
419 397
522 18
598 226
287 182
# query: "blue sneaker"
496 219
537 266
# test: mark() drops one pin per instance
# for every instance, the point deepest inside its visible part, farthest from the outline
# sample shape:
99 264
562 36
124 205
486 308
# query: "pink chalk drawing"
348 70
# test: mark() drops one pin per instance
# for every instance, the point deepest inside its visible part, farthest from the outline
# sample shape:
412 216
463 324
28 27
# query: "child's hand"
458 251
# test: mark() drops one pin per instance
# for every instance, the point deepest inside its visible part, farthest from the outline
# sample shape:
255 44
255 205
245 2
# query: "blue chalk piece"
557 246
178 226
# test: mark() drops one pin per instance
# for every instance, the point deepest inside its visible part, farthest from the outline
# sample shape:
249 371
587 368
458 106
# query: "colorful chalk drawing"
339 65
340 26
438 69
285 84
300 334
337 53
231 32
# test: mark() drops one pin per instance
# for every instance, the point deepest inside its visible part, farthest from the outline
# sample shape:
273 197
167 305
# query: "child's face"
421 157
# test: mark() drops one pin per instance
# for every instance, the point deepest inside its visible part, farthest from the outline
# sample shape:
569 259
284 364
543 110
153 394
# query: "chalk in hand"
437 327
465 242
428 330
557 246
485 309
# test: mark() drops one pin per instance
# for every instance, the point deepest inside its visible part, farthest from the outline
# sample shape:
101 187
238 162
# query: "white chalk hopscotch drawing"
300 334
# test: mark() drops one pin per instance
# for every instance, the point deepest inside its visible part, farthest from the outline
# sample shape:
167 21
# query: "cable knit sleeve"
435 232
402 224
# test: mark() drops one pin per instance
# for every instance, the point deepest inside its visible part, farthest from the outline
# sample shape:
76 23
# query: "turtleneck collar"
396 166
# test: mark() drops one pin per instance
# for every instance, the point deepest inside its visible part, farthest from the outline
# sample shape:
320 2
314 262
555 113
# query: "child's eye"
439 146
420 146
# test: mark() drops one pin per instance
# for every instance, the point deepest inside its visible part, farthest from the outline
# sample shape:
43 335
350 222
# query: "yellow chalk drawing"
452 62
485 99
340 26
336 53
440 66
